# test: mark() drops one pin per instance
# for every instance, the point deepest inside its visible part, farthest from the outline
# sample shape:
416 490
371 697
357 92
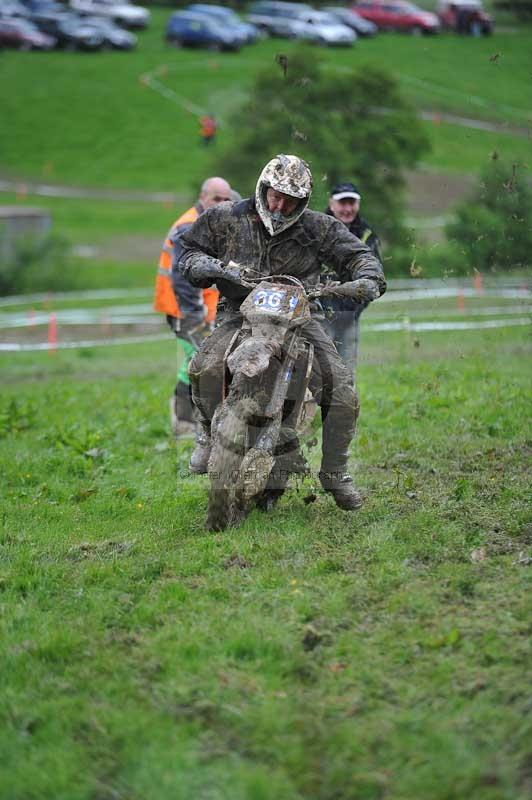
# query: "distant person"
462 20
188 310
208 128
342 316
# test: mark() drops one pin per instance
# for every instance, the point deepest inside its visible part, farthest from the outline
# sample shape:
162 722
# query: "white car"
323 28
121 12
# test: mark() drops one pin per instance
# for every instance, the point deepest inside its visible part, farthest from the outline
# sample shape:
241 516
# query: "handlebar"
361 290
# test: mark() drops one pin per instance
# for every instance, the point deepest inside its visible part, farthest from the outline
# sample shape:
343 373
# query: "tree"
348 124
493 227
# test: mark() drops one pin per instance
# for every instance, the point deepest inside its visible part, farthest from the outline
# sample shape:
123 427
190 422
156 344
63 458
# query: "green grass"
99 126
306 654
112 274
462 150
92 221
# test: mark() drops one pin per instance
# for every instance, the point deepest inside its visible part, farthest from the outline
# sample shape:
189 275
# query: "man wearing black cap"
342 316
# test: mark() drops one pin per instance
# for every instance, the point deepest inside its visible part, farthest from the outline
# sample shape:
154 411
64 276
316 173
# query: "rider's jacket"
234 232
332 305
362 230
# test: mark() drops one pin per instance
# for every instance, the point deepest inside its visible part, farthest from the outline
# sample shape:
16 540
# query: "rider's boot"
199 460
338 430
339 483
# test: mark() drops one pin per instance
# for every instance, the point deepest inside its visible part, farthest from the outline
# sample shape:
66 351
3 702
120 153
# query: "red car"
23 35
396 15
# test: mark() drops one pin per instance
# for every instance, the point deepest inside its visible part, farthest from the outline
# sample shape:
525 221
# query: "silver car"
120 11
274 18
349 17
323 28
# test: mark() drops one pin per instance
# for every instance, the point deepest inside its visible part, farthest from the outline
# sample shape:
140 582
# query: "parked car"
123 13
396 15
186 29
39 6
226 16
322 28
113 35
361 26
19 33
12 8
465 16
71 32
273 17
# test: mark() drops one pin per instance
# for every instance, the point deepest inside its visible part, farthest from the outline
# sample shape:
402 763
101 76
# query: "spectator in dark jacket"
342 317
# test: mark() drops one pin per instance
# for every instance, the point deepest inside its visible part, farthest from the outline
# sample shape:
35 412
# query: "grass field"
307 654
99 125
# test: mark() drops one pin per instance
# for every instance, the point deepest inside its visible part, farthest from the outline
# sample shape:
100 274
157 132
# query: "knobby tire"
226 507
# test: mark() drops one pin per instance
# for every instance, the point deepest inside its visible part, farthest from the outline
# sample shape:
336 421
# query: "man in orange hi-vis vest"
188 310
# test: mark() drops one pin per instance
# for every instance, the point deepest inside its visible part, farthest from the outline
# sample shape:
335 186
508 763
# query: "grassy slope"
84 221
306 654
97 125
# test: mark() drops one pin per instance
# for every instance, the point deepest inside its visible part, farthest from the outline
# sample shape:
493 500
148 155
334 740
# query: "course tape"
144 315
451 325
16 347
88 294
452 291
405 325
420 287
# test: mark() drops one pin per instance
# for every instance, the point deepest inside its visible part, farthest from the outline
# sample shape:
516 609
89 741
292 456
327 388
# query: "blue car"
188 29
228 18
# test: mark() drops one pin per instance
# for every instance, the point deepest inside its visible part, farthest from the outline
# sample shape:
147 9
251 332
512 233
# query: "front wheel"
229 435
239 473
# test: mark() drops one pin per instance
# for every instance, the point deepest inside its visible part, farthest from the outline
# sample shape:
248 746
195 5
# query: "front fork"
269 436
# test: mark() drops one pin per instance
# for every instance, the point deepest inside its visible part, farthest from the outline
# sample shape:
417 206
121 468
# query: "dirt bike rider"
275 233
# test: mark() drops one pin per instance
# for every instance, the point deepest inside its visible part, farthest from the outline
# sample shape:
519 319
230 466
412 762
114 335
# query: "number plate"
276 300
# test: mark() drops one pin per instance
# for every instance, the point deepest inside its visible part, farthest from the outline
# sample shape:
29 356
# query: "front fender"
251 357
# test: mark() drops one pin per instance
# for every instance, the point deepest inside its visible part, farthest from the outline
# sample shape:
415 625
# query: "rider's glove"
363 290
208 270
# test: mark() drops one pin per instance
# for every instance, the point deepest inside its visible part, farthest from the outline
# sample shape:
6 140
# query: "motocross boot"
199 460
340 485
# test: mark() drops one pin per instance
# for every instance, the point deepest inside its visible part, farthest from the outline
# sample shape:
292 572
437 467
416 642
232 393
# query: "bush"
492 229
522 9
349 125
35 264
443 260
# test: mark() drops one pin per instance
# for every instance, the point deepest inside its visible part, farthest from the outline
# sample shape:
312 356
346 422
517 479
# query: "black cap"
343 190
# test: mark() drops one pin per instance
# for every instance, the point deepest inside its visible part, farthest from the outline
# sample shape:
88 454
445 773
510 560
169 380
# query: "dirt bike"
267 368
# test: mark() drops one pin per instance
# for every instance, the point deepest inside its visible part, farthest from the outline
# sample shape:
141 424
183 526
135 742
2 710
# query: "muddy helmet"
289 175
